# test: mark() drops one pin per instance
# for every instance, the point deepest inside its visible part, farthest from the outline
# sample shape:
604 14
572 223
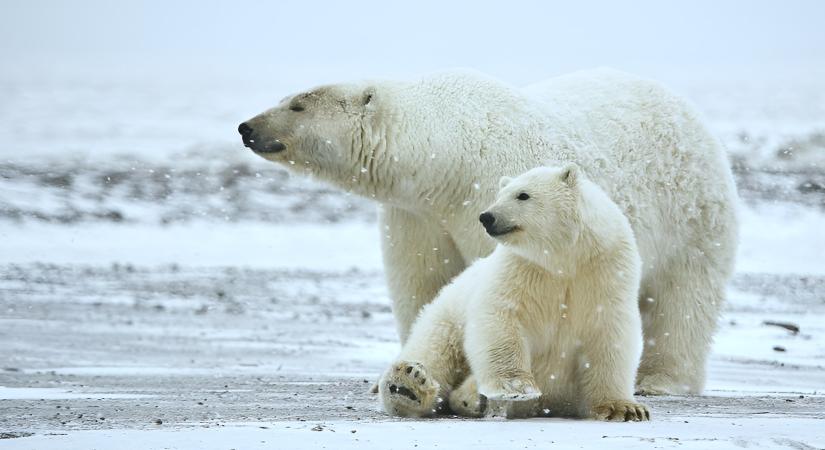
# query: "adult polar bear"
432 152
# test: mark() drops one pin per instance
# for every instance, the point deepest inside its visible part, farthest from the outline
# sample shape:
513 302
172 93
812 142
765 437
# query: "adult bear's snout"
245 130
253 141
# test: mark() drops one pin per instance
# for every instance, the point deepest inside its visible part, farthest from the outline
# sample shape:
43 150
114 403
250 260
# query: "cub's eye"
296 108
523 196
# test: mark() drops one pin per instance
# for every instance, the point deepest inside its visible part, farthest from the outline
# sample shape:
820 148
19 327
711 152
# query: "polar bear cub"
548 324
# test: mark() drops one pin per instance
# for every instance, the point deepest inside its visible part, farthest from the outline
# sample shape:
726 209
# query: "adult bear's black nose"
245 130
487 219
252 139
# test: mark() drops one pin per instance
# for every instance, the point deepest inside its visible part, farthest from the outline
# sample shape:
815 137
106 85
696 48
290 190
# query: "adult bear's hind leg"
680 310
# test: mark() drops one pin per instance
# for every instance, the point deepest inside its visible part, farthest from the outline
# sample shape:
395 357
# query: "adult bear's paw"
658 384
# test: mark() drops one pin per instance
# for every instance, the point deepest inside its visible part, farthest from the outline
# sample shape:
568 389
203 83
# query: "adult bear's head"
395 141
332 132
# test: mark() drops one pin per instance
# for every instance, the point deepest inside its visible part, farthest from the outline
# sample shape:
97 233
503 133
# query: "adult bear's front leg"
419 259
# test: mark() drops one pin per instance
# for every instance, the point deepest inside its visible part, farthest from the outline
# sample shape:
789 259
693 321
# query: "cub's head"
322 131
538 210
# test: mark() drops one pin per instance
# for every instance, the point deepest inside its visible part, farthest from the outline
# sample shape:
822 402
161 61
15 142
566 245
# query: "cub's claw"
621 411
407 390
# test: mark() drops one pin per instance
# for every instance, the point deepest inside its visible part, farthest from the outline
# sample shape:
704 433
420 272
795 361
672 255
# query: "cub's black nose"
245 130
487 219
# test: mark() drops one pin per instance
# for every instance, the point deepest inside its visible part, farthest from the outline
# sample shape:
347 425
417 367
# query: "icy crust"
183 189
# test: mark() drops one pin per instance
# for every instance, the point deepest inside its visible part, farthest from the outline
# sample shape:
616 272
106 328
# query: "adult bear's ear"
504 181
570 174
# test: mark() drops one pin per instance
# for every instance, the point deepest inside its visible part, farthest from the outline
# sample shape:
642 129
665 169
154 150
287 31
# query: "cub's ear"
368 97
570 174
504 181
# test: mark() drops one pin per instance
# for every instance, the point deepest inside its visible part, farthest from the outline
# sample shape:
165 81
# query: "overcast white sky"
515 40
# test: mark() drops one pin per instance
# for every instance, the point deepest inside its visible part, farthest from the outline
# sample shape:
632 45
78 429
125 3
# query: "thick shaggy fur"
432 151
550 316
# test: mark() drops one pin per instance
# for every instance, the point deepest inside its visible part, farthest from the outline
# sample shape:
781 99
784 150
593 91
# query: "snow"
768 231
332 329
309 246
781 238
152 268
680 432
55 394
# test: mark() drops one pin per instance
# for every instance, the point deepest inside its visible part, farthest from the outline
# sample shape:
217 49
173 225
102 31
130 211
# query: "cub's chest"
545 307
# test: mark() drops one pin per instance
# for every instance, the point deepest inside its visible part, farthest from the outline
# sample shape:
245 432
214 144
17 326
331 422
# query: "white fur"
432 153
552 312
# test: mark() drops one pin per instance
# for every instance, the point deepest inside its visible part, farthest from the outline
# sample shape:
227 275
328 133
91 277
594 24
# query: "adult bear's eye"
523 196
296 108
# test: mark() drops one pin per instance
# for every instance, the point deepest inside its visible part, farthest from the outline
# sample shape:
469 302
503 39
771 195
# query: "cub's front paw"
406 390
513 389
513 398
620 411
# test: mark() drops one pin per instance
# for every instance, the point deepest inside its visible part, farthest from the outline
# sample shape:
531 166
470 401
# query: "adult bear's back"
649 150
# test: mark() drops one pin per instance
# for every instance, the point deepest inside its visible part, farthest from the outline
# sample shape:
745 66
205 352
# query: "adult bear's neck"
435 143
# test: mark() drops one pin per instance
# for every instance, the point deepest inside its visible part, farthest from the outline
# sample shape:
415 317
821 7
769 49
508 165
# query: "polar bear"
550 315
431 152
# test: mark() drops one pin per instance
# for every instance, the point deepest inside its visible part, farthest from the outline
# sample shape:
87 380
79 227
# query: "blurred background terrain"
155 272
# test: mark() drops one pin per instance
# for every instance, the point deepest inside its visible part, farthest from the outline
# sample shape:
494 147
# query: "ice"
694 433
32 393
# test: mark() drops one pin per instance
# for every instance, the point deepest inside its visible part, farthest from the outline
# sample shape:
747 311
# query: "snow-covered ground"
692 433
161 287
